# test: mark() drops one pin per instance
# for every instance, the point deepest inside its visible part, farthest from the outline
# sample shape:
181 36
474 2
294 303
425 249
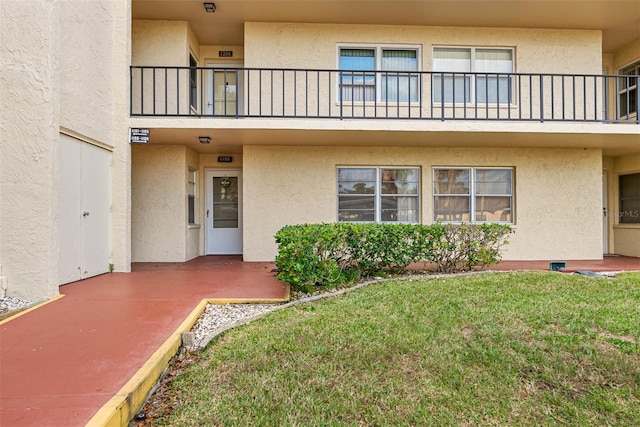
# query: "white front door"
223 94
224 212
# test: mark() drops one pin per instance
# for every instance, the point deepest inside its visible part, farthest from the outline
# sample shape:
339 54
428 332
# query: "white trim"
75 135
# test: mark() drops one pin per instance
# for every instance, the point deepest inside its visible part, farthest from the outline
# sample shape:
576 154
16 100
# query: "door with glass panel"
224 212
223 90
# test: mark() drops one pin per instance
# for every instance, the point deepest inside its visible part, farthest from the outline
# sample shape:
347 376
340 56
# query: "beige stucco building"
159 131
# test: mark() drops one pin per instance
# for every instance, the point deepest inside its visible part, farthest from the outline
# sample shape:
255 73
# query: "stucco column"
29 126
121 160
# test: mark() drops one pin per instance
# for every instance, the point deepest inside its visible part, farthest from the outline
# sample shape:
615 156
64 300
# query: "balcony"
337 94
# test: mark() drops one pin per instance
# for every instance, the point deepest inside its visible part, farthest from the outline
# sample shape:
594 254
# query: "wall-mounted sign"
225 53
139 136
225 159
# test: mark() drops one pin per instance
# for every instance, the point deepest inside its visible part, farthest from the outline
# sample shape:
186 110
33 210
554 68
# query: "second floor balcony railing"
298 93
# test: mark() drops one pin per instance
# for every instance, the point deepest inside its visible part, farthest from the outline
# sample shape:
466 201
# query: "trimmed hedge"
312 255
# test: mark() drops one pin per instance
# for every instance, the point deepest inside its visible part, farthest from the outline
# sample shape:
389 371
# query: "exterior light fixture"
209 7
204 139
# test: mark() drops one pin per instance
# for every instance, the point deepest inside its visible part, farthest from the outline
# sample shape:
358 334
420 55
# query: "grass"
493 349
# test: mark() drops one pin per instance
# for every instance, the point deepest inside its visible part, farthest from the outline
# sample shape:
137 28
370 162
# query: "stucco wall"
162 43
29 129
557 193
314 45
212 53
626 55
121 156
158 213
86 72
626 236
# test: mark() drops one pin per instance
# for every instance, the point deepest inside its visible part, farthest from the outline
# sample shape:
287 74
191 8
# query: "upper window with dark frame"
629 199
382 74
627 88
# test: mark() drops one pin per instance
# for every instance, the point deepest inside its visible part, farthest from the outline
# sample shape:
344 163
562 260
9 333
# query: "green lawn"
493 349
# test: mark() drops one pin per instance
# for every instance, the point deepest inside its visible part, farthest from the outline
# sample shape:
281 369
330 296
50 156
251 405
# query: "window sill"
193 226
380 104
627 226
492 106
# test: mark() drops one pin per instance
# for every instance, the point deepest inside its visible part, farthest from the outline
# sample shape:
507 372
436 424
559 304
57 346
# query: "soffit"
232 139
618 19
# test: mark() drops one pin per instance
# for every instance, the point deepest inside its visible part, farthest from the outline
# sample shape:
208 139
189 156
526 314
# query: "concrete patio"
82 358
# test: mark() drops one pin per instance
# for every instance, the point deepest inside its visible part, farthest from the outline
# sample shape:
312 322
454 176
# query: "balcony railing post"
541 98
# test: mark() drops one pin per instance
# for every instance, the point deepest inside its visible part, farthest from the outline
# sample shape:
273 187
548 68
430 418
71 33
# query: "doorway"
223 212
223 89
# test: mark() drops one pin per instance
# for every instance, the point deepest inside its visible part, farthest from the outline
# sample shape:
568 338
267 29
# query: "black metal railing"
299 93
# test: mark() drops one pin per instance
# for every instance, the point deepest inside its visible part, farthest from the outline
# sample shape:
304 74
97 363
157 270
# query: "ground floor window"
378 194
630 199
473 194
191 196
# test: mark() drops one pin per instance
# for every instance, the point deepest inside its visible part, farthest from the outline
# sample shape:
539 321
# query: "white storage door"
84 208
96 204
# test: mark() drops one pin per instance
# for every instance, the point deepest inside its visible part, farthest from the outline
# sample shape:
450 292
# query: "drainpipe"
3 284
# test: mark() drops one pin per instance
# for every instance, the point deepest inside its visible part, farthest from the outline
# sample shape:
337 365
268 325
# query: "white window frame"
472 88
378 193
473 194
192 194
634 67
378 71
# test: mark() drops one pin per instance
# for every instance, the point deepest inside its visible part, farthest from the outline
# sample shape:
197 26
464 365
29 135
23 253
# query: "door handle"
85 213
207 213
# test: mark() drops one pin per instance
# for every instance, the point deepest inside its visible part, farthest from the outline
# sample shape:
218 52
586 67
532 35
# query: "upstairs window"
630 199
454 83
628 91
378 74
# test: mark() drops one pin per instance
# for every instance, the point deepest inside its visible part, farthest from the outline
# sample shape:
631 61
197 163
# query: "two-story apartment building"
266 113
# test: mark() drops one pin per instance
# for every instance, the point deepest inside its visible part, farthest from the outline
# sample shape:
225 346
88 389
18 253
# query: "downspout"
3 284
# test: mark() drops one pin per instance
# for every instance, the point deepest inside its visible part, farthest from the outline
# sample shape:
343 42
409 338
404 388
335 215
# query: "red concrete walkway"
62 362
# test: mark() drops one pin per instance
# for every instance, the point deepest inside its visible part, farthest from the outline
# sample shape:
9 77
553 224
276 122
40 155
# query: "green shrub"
312 255
461 247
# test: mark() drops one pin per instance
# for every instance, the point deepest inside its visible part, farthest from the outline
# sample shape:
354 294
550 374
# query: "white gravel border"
8 304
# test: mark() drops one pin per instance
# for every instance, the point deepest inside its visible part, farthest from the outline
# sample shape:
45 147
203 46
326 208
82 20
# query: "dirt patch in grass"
163 400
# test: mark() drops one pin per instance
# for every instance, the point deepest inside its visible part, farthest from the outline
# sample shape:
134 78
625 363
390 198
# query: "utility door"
223 90
224 212
84 210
